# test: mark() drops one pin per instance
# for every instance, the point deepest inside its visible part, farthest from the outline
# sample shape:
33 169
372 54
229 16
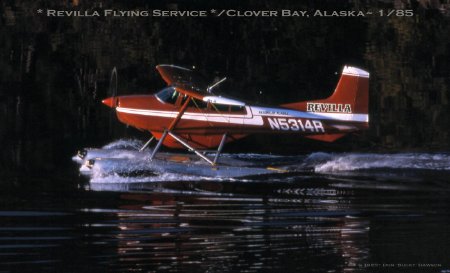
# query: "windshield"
168 95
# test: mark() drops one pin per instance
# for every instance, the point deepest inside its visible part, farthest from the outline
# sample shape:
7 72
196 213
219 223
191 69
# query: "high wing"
188 82
185 80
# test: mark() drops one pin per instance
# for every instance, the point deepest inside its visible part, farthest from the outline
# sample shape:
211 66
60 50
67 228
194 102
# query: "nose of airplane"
110 102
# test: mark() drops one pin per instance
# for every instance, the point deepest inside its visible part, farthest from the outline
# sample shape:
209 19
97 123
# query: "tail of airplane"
352 89
349 101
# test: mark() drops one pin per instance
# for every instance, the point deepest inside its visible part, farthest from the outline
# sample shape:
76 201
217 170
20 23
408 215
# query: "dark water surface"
374 216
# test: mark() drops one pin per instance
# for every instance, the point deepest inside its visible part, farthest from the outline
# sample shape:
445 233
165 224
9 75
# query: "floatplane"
189 114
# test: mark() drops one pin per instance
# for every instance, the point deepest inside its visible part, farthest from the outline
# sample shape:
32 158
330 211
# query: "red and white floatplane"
188 114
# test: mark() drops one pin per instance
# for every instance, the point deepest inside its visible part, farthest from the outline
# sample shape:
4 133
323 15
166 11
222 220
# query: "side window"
237 109
221 107
232 109
181 99
198 104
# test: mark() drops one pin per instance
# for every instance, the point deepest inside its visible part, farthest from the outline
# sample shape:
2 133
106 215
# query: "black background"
54 71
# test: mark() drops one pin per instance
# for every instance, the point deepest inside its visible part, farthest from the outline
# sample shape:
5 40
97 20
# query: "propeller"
111 101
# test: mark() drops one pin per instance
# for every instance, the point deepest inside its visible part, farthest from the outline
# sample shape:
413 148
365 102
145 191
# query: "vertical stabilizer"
351 95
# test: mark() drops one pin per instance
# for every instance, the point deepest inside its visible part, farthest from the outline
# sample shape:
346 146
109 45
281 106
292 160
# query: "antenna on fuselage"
214 85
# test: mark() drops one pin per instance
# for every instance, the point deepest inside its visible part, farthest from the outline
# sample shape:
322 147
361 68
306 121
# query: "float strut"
146 144
191 148
219 150
158 145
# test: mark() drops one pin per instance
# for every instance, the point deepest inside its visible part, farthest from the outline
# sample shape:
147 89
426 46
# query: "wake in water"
121 162
333 163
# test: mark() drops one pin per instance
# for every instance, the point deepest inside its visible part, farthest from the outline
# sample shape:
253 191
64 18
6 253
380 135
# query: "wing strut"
172 125
168 131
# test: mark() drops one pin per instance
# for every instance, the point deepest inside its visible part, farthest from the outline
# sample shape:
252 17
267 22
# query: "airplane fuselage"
149 113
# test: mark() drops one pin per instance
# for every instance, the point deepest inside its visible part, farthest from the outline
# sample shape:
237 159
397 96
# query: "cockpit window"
168 95
232 109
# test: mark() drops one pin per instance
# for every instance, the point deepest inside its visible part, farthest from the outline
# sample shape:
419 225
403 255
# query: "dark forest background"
54 72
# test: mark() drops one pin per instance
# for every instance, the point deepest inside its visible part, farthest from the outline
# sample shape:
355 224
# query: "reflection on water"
236 233
209 226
